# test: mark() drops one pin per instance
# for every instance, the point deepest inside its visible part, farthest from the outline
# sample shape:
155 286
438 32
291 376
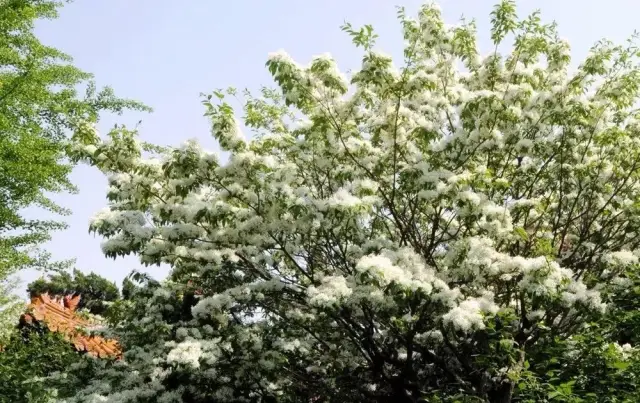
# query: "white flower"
343 199
622 258
470 313
186 353
382 267
331 290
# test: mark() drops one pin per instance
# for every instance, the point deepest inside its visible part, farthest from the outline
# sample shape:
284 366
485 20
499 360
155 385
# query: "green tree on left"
27 359
39 104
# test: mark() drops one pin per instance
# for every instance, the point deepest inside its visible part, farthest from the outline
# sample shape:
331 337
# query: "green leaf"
621 365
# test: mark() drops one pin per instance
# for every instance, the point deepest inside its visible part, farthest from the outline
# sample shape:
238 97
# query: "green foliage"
26 359
96 291
597 364
503 20
128 288
39 104
364 37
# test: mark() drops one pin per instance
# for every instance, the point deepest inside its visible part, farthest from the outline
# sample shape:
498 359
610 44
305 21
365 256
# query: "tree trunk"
502 394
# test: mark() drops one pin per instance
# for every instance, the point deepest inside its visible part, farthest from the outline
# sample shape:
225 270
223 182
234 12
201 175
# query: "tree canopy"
39 106
29 358
460 228
95 291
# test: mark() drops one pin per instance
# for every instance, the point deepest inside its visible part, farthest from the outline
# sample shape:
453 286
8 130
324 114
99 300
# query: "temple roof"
59 315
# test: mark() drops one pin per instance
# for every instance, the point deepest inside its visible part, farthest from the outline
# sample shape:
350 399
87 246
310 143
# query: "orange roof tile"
59 315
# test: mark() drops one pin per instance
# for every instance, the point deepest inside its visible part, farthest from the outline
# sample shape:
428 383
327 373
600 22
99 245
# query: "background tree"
39 104
96 291
128 288
25 362
460 229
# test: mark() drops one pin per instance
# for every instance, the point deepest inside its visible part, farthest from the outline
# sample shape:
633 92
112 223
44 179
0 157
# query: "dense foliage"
39 105
461 228
95 291
27 359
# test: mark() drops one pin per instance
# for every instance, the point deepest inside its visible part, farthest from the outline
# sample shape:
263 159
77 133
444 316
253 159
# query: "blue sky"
165 53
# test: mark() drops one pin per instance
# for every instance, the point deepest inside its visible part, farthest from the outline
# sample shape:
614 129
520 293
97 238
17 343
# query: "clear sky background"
165 52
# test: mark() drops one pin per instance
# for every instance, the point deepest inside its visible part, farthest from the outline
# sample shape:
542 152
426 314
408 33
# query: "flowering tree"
450 230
